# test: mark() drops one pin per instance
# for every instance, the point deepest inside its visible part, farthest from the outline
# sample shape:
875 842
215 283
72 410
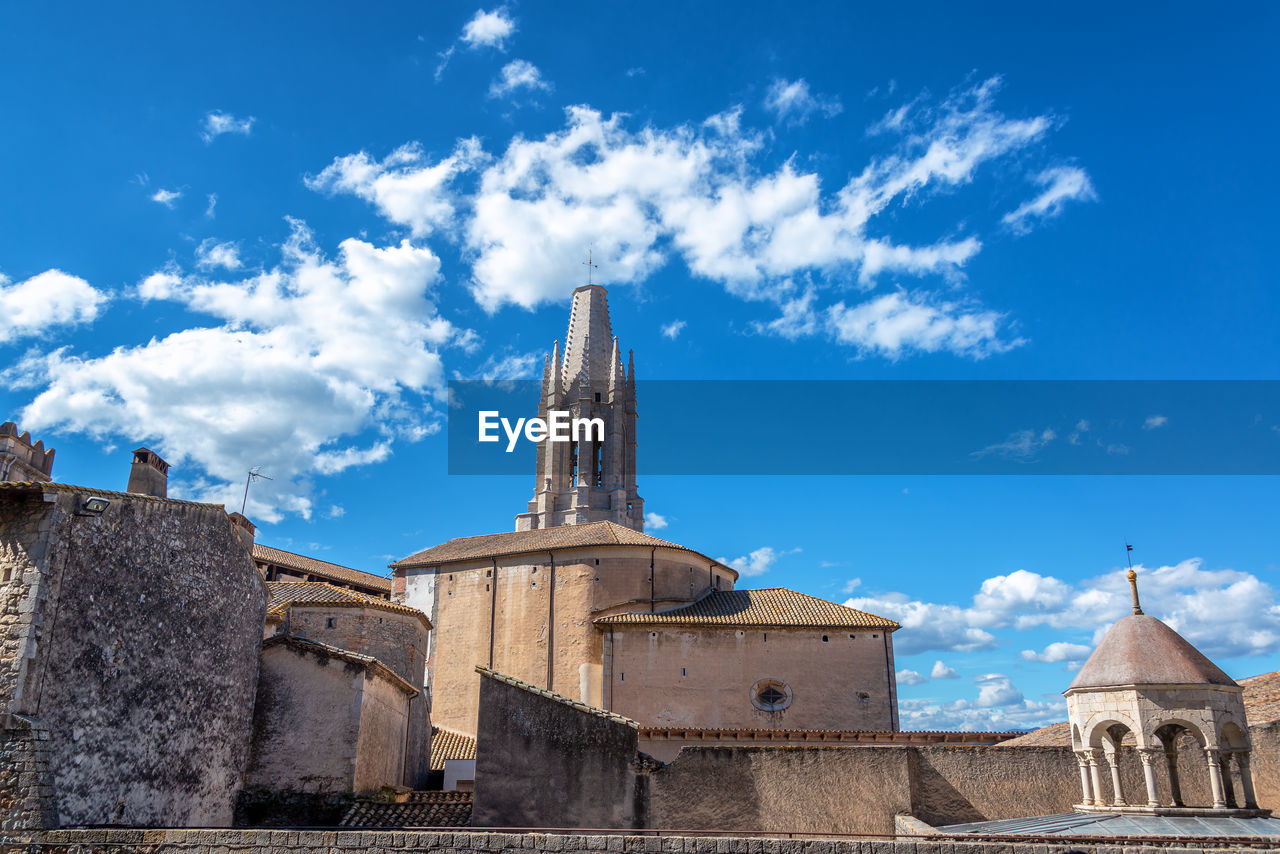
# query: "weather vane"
589 265
254 474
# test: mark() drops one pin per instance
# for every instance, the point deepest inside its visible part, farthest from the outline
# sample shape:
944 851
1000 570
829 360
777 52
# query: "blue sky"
268 236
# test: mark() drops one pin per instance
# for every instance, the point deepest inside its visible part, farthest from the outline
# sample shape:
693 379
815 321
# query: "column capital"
1148 754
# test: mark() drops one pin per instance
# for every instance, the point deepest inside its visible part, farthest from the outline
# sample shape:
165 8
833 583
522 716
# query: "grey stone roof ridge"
559 698
330 651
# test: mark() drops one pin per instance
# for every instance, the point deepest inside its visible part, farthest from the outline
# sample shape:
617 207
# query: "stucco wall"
397 640
683 677
306 722
380 750
145 663
517 616
540 762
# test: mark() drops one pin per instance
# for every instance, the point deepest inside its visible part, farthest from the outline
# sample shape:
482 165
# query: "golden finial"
1133 584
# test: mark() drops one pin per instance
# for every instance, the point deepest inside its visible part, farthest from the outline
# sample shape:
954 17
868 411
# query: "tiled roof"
332 571
1053 735
1262 697
821 736
420 809
28 486
771 606
447 744
539 540
329 651
282 594
559 698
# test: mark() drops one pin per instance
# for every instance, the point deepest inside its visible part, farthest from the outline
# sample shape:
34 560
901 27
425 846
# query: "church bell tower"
592 480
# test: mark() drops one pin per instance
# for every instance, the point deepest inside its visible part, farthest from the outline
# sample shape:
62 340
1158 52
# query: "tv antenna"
254 474
590 266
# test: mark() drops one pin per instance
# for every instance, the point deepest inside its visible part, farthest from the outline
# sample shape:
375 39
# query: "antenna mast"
254 474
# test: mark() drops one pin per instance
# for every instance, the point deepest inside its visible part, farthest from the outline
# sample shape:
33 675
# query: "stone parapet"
463 842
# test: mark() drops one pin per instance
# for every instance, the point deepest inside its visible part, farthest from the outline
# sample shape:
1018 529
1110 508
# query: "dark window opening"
772 696
684 671
597 561
766 637
597 397
573 463
622 677
717 582
825 639
331 622
598 464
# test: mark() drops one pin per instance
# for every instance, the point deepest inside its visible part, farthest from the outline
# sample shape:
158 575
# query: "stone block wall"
132 637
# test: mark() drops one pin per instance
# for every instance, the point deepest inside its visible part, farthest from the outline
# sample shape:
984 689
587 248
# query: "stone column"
1215 777
1246 780
1175 785
1148 757
1095 774
1113 759
1228 786
1086 785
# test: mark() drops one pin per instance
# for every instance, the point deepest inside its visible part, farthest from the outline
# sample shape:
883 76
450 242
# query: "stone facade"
129 634
592 480
20 460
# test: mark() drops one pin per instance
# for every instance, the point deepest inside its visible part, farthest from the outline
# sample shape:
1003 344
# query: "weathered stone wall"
136 646
679 676
543 763
471 842
815 789
1266 764
305 723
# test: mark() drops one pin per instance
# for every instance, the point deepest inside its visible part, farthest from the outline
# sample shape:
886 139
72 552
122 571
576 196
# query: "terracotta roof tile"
539 540
771 606
282 594
420 809
447 744
559 698
332 571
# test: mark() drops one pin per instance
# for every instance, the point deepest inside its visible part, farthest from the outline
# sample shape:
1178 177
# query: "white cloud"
403 186
911 677
337 511
53 298
673 329
516 76
851 585
926 625
279 383
1155 421
757 562
217 123
1059 651
211 209
792 102
489 29
166 197
1062 184
898 323
511 366
996 689
655 521
699 191
942 671
999 706
210 254
1188 597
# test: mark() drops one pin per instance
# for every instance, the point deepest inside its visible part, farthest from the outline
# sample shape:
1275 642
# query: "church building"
580 601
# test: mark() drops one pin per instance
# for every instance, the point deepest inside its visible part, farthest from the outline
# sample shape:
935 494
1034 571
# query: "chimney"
245 529
149 475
